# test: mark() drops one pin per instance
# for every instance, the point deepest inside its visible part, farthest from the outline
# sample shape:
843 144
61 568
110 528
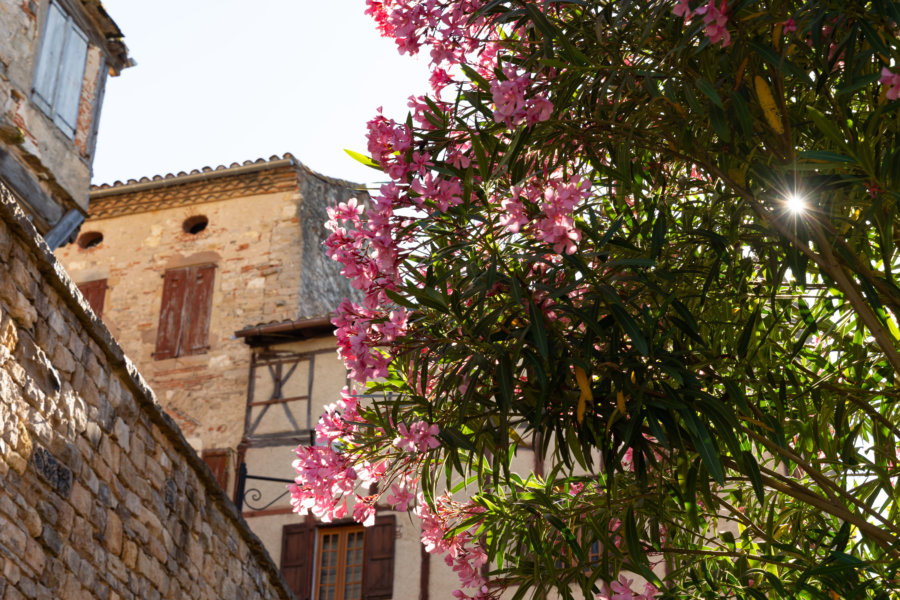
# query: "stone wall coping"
57 277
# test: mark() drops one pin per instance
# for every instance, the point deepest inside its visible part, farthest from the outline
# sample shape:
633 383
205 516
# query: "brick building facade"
217 285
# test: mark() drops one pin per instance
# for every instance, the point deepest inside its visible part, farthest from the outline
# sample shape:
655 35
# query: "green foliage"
744 356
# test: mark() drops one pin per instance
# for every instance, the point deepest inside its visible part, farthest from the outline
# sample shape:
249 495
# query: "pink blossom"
682 9
539 109
715 19
559 231
513 216
649 593
401 498
621 589
394 327
363 512
419 437
439 80
892 81
509 100
324 477
788 27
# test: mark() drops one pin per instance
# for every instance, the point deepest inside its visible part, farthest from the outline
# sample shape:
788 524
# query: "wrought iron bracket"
252 496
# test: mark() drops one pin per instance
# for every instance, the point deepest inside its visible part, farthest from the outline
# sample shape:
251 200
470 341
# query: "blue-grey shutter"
49 58
71 75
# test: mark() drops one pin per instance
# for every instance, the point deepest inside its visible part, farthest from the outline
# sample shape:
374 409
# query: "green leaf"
821 155
826 125
744 340
455 439
709 91
362 158
742 111
858 83
751 468
631 328
537 330
780 63
703 444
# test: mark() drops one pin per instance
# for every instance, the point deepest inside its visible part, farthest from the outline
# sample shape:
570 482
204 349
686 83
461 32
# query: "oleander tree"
652 243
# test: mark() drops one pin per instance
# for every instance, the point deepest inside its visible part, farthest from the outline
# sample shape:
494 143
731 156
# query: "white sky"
226 81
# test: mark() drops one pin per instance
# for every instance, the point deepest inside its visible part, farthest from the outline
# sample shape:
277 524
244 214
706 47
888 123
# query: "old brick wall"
252 240
100 495
59 165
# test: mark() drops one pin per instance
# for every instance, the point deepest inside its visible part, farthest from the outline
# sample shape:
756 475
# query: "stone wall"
100 495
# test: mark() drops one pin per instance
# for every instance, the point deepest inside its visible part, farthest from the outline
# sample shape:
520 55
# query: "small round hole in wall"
195 225
89 239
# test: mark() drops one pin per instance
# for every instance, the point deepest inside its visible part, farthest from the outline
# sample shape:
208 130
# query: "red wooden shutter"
297 558
168 335
378 570
198 305
217 461
95 293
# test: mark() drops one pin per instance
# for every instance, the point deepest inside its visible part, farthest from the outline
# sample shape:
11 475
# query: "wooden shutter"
168 334
47 70
95 294
378 570
198 305
71 75
217 461
297 558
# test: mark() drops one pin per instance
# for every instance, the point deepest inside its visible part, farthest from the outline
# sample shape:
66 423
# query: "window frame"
56 78
343 532
301 556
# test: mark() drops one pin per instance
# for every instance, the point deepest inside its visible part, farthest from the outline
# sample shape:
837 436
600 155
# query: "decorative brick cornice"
209 185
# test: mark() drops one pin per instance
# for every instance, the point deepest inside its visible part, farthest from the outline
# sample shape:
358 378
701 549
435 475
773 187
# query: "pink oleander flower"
682 9
539 109
513 217
394 327
401 497
892 81
715 19
324 478
363 512
509 99
419 437
346 211
788 27
621 589
560 231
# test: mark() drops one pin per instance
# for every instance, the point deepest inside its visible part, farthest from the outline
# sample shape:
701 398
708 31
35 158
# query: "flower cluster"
324 478
419 437
555 202
621 590
891 81
715 19
511 106
460 551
